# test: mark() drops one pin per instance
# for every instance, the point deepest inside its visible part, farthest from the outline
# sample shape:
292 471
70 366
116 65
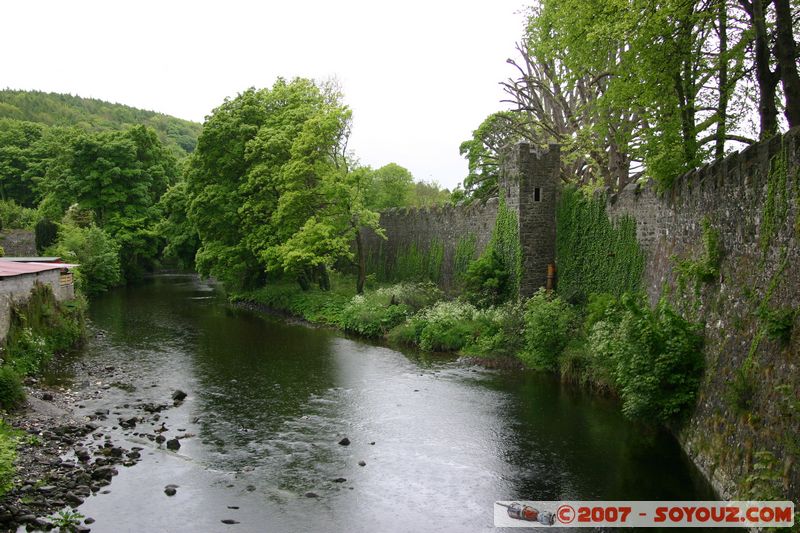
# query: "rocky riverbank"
64 457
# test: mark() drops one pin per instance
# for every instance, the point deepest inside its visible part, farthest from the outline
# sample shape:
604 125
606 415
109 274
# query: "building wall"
18 243
16 289
755 211
523 171
445 225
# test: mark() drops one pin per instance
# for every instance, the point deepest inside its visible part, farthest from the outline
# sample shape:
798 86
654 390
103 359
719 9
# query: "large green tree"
271 186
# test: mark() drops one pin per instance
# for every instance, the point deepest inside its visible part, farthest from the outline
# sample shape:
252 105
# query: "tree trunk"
362 263
724 90
786 54
323 278
767 80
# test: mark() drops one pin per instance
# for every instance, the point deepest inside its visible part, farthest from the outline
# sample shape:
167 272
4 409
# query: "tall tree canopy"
632 88
272 188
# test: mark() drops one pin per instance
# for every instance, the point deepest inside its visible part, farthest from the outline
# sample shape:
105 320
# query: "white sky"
419 75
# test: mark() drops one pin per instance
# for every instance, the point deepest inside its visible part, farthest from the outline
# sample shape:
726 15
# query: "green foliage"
46 234
464 255
593 253
498 331
14 216
765 483
705 269
53 109
40 327
8 451
390 186
314 305
505 242
11 395
418 263
653 356
428 194
549 321
176 229
776 204
778 323
741 391
486 281
271 188
372 315
445 327
17 157
483 153
67 520
95 251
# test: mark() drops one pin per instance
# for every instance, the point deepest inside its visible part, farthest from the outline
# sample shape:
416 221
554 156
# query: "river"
268 402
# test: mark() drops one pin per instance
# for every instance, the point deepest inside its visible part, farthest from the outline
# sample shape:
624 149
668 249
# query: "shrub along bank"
40 328
597 330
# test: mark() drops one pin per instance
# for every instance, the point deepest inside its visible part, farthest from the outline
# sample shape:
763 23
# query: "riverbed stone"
173 444
345 442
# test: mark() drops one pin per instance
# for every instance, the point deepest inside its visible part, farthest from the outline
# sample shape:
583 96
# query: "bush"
8 452
46 234
40 327
499 331
778 323
372 315
96 253
486 281
11 391
445 327
375 313
14 216
549 322
653 356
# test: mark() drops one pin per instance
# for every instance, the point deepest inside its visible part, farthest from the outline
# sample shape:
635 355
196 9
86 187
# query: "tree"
271 190
484 151
391 186
17 141
632 88
175 227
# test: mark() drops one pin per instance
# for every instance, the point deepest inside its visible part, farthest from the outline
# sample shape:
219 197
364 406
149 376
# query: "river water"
268 401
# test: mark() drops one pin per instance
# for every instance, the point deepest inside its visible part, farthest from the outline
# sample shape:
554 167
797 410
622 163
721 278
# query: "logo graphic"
527 513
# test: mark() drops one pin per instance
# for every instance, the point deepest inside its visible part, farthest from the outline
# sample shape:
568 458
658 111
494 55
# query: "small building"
19 275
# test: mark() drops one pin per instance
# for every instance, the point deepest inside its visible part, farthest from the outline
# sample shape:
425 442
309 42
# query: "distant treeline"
89 114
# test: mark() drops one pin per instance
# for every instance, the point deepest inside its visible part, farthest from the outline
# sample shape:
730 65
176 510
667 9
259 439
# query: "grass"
8 454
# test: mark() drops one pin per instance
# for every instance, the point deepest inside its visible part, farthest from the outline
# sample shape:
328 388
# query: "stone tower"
530 185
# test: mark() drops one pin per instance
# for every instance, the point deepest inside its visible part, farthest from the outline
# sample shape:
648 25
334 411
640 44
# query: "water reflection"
269 401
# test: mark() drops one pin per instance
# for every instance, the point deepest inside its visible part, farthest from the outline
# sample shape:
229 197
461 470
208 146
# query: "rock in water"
173 444
179 395
311 495
345 442
229 521
362 463
170 490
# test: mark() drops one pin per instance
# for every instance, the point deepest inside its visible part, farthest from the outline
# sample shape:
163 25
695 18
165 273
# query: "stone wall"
17 289
751 200
445 226
18 243
529 187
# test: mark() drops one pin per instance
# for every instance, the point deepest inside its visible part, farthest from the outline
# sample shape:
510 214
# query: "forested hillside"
53 109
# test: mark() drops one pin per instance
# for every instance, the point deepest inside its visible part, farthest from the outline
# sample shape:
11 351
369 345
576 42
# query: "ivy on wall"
466 247
593 253
505 241
413 262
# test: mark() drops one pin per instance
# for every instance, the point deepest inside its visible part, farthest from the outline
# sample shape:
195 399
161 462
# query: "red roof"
9 268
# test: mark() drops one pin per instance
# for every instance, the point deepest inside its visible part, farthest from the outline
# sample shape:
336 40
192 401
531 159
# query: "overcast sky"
419 75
